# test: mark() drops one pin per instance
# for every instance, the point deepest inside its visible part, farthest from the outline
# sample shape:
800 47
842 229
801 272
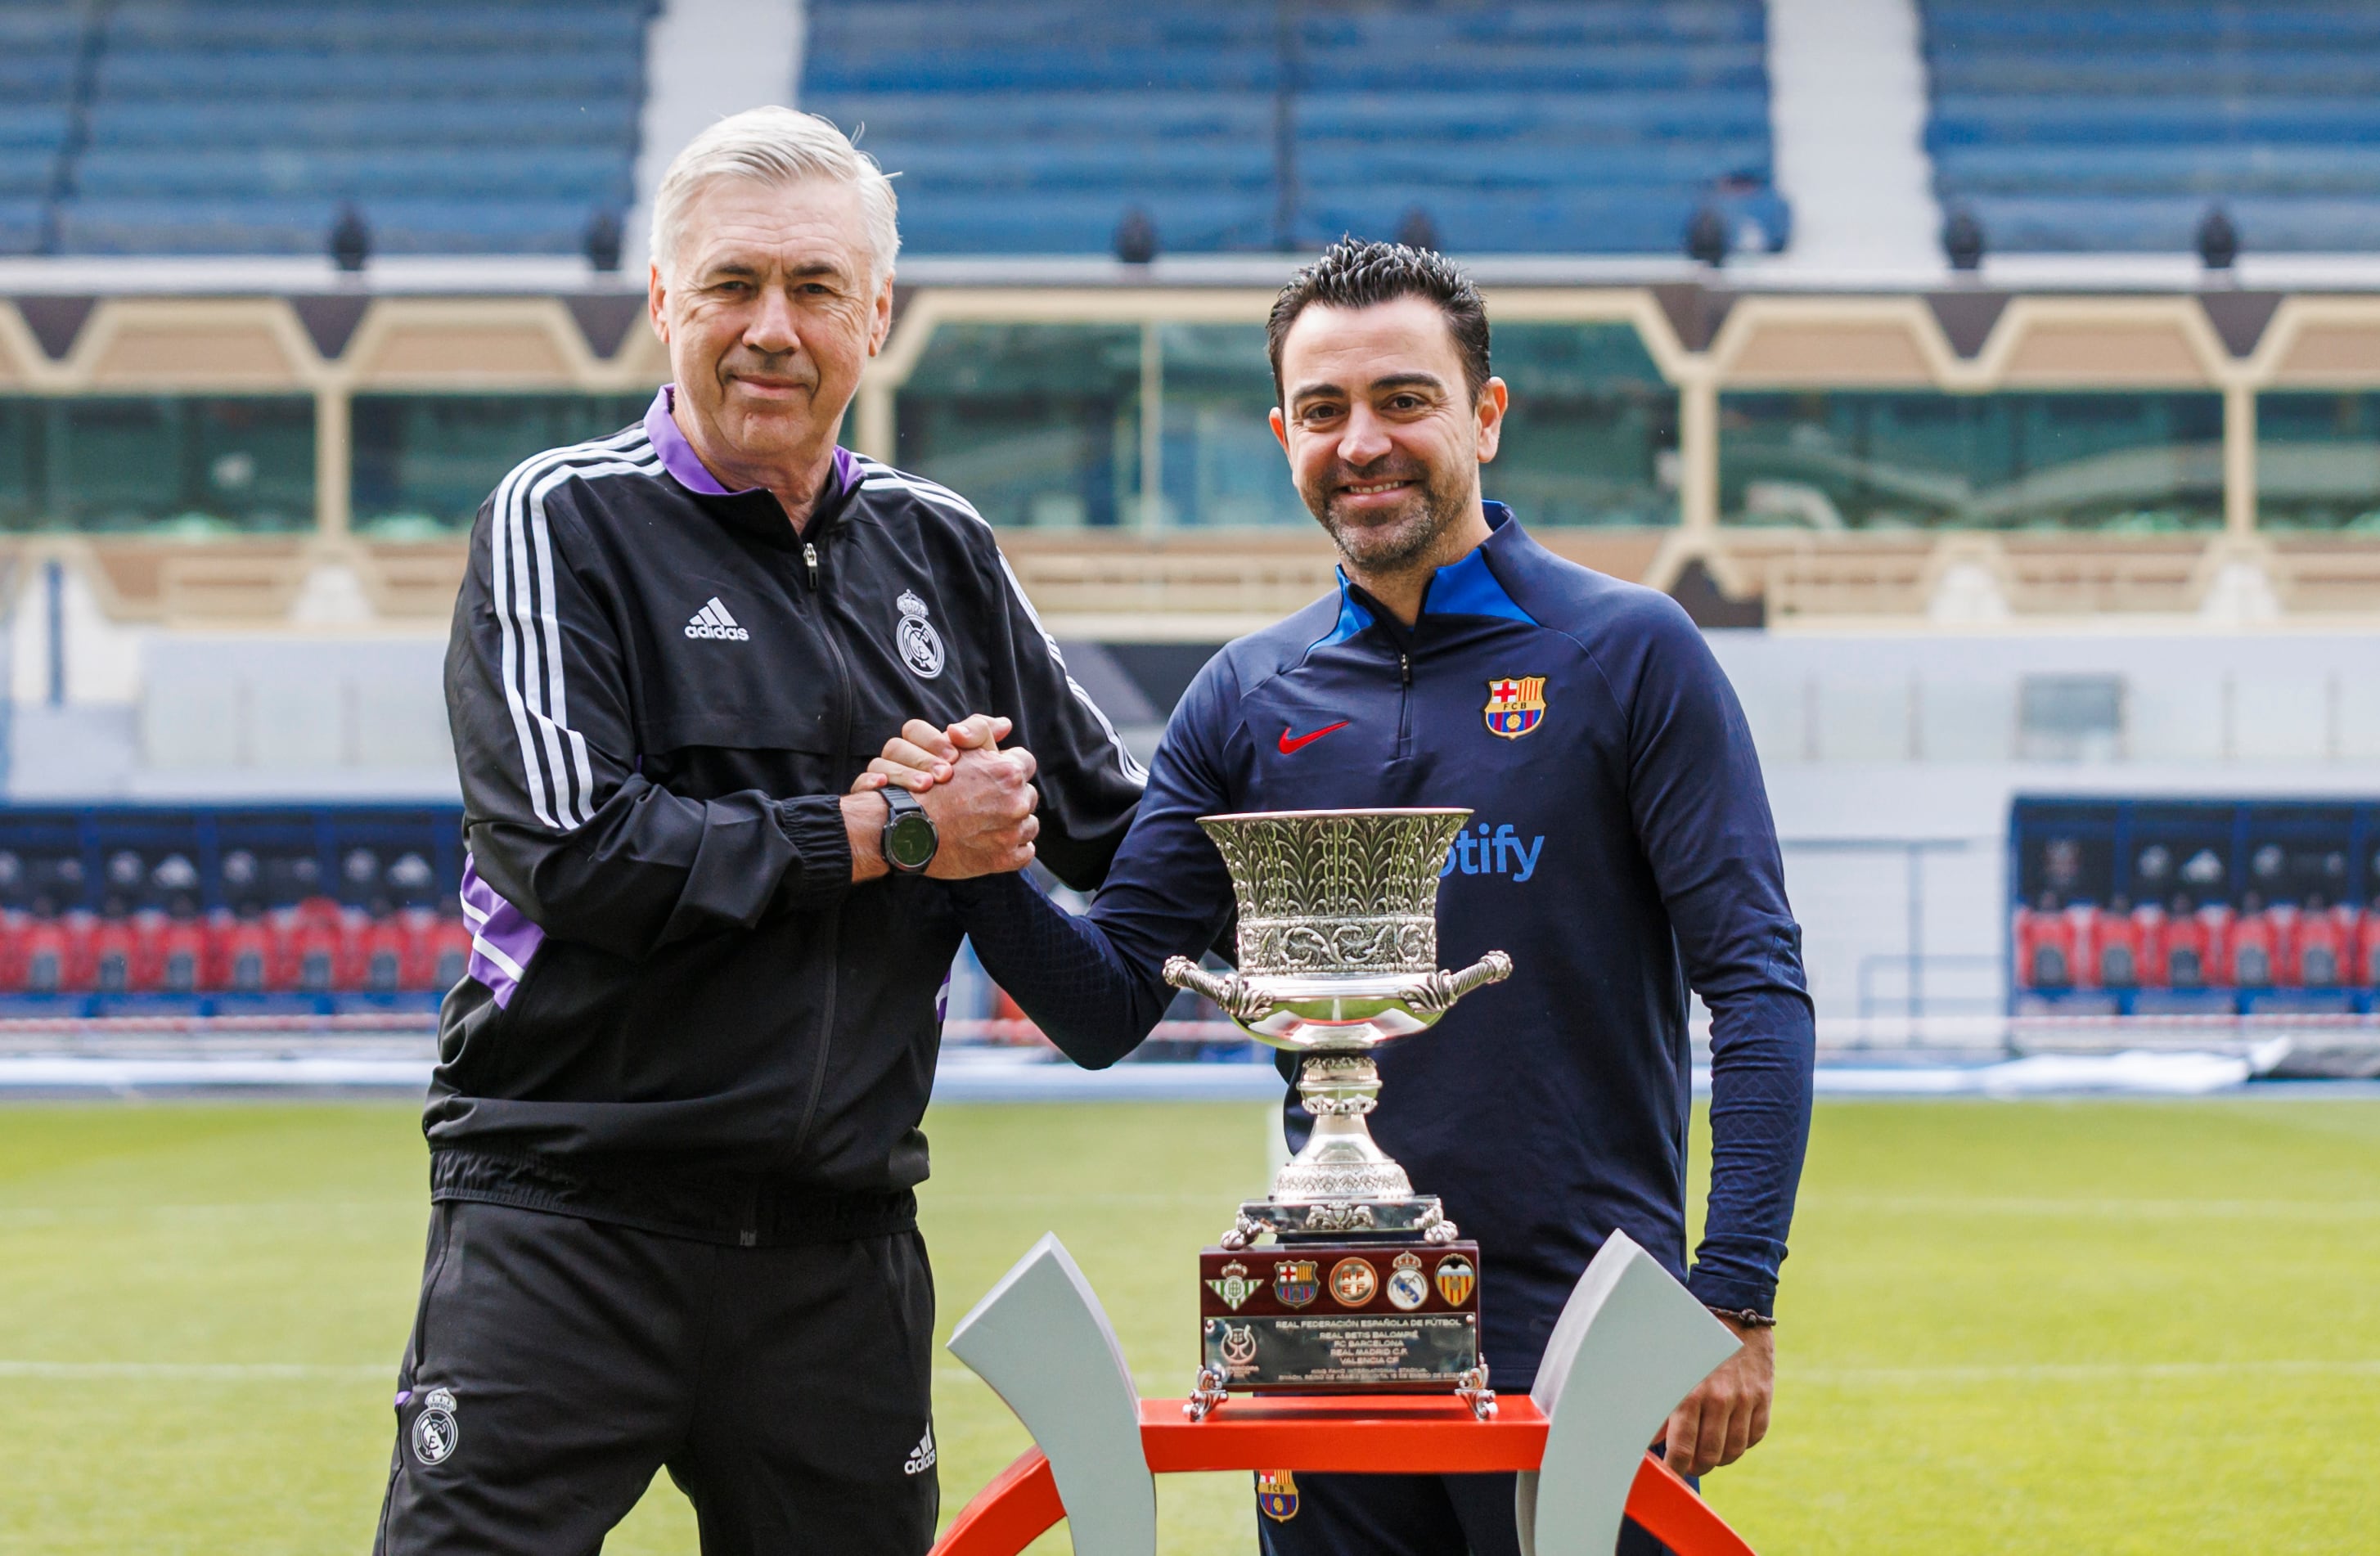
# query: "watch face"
909 842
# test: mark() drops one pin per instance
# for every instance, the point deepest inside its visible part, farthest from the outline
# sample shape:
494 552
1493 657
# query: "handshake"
979 797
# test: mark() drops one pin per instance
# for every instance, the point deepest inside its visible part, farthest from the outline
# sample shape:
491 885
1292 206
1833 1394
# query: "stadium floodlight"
2218 240
1136 237
1706 236
1962 241
1416 230
602 244
350 244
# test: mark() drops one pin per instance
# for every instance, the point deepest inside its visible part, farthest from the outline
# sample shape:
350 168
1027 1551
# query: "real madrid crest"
435 1435
921 646
1234 1287
1408 1287
1516 705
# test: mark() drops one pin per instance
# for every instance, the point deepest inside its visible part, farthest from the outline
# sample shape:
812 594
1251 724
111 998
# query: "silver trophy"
1338 954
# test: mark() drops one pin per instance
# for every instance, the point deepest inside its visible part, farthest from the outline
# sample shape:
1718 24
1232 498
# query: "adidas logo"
921 1457
713 621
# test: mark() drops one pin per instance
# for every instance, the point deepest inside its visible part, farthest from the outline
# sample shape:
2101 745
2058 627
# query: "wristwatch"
909 839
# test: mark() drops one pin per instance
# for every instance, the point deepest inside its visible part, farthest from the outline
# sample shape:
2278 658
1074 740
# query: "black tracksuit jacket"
682 1014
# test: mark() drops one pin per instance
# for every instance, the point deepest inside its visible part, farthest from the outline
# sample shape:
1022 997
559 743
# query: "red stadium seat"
310 941
2044 947
2315 950
2367 946
2115 939
178 954
2251 948
240 952
383 947
2188 948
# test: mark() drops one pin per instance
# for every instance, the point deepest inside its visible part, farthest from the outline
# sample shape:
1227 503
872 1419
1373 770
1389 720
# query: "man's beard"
1390 541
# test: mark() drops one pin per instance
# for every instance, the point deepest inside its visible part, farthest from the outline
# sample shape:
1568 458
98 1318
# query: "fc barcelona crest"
1296 1281
1455 1278
1276 1494
1516 705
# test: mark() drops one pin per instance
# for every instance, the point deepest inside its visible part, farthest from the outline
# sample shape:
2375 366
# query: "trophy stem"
1340 1162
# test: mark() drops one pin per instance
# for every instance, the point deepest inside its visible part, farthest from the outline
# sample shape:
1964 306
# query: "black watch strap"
909 841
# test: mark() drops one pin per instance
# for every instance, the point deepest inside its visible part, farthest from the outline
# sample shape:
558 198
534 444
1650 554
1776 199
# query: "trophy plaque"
1364 1286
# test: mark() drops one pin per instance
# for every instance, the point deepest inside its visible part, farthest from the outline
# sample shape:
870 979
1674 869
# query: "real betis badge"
1234 1287
1516 705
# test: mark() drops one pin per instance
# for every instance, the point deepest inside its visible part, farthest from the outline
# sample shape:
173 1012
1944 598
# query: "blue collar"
1468 588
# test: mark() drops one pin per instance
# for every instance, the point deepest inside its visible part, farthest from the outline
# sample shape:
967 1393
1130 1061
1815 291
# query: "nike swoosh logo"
1291 746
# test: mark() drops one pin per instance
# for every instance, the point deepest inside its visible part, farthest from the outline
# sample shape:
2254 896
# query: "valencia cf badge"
1455 1278
1234 1287
1408 1288
1353 1281
1516 706
1276 1494
1296 1281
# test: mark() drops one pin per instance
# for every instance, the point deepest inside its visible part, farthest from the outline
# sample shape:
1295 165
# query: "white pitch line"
2258 1210
195 1371
2077 1372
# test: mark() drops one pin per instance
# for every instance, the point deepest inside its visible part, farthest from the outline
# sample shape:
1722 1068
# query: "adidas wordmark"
713 621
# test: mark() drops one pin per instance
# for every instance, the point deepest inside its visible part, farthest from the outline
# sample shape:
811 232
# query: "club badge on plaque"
1338 954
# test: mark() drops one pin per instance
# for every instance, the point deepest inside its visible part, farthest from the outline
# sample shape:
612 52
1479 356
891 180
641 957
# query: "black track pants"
556 1362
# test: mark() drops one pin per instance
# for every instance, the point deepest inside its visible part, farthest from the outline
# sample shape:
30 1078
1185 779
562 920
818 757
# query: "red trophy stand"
1628 1346
1421 1434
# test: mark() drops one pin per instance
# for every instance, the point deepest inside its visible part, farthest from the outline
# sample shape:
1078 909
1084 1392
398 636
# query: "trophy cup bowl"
1338 954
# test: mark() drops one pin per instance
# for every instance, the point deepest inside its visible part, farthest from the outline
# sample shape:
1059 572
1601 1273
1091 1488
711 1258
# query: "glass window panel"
1220 464
2318 461
157 464
1870 460
424 463
1591 437
1035 424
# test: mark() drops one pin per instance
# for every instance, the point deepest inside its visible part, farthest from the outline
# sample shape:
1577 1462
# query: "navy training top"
1621 847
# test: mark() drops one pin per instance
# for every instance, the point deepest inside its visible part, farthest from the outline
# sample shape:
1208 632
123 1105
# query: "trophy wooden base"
1328 1317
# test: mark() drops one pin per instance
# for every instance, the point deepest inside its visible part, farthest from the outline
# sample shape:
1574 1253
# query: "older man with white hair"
674 1128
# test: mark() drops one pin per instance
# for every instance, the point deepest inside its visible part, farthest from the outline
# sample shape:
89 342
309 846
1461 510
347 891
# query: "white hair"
776 146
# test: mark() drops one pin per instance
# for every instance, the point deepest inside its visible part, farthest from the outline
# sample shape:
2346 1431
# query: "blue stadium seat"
1591 126
490 127
2093 126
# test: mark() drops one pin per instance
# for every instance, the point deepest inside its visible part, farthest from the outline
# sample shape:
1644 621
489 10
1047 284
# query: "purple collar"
679 459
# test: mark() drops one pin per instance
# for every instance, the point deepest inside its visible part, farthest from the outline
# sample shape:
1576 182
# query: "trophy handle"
1231 992
1434 994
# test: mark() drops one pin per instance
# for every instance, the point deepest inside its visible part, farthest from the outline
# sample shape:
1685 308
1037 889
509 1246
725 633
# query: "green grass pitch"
2139 1327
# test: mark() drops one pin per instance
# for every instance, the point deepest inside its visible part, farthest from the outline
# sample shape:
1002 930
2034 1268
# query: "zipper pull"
1405 668
809 556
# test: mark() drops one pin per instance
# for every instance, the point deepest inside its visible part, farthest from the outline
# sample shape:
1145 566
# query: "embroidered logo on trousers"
435 1434
921 1457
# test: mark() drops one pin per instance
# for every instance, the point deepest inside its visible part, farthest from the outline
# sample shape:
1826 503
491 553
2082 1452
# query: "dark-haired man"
1622 848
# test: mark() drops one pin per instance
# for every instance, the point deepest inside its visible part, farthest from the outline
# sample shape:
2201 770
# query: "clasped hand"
980 797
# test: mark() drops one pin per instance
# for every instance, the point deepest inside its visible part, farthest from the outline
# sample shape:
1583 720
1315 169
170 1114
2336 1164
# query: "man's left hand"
1728 1411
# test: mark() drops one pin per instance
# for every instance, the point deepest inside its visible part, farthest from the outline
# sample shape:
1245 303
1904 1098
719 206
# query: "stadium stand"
1249 125
2245 909
2081 124
496 126
286 910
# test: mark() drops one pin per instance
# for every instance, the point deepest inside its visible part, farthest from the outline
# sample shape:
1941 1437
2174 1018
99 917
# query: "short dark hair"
1354 273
